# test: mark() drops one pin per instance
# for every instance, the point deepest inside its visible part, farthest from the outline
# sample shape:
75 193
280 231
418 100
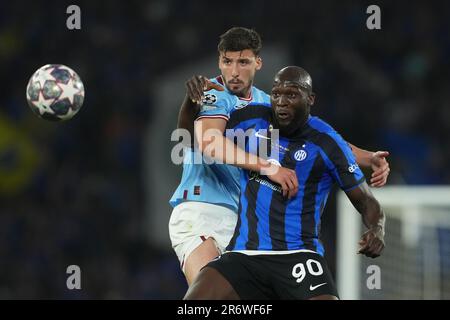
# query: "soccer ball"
55 92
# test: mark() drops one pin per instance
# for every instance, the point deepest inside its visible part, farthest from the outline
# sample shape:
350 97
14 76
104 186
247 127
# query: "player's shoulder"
251 110
260 97
257 100
320 125
321 131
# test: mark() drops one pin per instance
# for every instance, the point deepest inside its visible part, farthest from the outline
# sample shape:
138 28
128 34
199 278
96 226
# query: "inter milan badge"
209 98
300 155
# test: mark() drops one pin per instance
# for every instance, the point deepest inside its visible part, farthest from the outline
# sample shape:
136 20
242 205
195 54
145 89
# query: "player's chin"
285 123
237 89
238 92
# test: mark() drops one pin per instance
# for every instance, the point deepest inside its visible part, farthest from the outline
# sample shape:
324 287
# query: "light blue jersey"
215 183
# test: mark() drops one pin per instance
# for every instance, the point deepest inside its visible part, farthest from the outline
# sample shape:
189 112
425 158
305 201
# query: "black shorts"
300 275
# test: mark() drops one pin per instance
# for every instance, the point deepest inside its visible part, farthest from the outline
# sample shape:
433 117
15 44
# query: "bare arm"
372 241
186 117
191 103
210 139
376 161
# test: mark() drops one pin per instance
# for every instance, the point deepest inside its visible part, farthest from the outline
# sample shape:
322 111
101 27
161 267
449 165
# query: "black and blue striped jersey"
318 154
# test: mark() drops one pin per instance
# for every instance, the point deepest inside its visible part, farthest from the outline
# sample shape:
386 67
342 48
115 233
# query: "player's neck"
247 93
294 129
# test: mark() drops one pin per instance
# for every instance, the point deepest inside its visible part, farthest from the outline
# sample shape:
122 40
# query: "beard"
242 92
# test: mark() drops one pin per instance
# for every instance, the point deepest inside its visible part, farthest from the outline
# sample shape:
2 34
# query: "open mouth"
283 115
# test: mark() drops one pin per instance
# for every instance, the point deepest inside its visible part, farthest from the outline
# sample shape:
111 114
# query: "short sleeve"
217 104
341 162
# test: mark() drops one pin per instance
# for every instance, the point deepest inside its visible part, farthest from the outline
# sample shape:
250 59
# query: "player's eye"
292 95
275 95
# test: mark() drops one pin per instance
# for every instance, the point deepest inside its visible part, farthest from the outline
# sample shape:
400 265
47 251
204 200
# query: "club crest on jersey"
242 104
209 99
300 155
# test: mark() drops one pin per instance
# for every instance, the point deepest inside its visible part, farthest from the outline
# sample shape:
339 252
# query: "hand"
372 242
287 178
196 85
380 168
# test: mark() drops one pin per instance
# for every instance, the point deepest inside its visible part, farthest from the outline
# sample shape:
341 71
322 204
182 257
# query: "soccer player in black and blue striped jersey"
208 193
275 252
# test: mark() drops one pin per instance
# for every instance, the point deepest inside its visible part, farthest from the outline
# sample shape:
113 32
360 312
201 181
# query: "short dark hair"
238 39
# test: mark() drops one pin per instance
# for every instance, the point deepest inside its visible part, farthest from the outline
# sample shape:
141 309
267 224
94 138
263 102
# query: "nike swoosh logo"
261 136
312 288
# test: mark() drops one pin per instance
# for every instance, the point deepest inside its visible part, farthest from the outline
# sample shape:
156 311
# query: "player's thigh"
210 284
199 258
246 274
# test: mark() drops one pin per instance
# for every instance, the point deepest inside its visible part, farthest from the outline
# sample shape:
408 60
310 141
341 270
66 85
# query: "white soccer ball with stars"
55 92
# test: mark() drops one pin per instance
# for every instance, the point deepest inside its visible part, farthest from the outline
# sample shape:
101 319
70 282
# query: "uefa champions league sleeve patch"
209 99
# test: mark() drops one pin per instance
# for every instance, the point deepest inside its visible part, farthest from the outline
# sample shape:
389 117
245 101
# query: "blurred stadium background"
93 191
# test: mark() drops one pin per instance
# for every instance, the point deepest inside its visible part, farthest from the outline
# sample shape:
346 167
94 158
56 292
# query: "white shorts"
193 222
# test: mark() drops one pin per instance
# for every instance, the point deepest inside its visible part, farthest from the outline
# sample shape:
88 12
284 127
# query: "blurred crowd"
72 193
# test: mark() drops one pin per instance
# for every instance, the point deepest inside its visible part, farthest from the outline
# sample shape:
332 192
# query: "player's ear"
311 99
259 63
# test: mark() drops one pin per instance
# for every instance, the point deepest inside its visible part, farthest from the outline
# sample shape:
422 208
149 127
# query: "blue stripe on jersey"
330 164
320 125
265 199
321 198
243 230
251 122
294 221
263 205
319 247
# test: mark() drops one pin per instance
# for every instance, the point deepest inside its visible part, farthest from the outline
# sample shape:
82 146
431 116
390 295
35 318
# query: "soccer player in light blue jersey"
206 200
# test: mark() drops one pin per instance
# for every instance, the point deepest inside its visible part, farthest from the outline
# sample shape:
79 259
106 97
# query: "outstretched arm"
376 161
209 135
186 117
372 241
